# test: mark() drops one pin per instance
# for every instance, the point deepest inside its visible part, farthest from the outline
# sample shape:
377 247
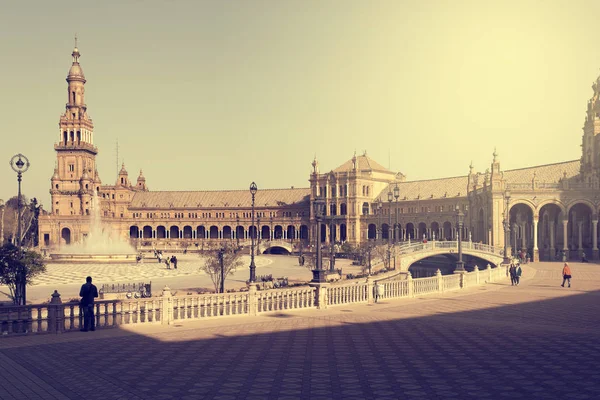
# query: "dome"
75 72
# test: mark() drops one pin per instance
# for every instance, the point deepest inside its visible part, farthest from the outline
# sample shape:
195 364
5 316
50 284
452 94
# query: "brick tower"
75 176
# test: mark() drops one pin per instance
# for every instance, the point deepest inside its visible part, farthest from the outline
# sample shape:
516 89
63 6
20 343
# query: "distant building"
553 208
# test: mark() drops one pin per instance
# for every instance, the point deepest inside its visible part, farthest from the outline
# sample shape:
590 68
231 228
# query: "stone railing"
166 309
345 294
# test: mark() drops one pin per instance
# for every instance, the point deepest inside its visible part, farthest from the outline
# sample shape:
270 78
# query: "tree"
212 264
13 264
30 211
381 252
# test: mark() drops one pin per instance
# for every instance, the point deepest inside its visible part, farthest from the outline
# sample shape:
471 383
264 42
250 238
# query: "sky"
210 95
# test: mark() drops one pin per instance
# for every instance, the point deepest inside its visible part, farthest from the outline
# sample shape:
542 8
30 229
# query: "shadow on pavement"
538 349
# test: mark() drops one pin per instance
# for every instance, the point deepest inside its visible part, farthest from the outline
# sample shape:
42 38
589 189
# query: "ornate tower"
75 177
590 146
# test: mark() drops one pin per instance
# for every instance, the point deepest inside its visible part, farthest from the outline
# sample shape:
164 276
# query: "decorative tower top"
141 182
75 73
315 165
495 155
123 179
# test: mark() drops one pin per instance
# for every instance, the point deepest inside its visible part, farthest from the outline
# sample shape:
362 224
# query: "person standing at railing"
88 293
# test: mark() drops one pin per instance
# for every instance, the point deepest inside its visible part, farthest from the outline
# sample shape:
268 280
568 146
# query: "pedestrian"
168 262
583 257
518 273
377 292
174 261
566 275
511 271
88 293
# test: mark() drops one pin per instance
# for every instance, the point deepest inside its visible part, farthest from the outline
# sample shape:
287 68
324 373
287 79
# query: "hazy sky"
206 95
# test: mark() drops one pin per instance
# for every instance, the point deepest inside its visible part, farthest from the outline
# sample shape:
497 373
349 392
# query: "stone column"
565 238
595 237
552 241
535 254
524 235
580 235
166 307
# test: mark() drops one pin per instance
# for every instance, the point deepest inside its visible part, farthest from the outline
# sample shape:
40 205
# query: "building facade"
544 210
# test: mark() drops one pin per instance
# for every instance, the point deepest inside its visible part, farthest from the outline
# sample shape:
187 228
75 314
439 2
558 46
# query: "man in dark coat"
88 293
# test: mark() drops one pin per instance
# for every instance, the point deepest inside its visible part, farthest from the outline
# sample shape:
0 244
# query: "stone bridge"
411 253
265 245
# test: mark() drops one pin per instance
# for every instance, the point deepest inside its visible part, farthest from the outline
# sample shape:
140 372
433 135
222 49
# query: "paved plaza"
68 278
534 341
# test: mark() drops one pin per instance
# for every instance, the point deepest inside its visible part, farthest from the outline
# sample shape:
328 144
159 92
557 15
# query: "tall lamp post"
379 210
237 237
20 164
1 223
253 190
396 226
390 198
460 265
222 265
332 244
318 272
506 224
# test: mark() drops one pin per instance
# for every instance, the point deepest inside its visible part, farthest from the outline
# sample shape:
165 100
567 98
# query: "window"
71 167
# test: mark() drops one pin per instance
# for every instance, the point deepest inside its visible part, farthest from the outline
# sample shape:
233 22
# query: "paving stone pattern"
534 341
128 272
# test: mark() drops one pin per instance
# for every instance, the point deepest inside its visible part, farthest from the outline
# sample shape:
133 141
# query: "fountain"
100 246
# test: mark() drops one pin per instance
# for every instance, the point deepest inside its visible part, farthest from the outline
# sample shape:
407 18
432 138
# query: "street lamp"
20 164
396 227
237 236
222 264
2 223
332 243
253 190
390 198
379 210
318 272
460 265
506 224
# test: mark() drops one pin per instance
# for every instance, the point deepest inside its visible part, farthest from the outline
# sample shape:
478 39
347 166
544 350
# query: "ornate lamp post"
237 237
460 265
221 263
396 226
253 190
318 272
506 224
379 210
389 243
20 164
332 243
1 222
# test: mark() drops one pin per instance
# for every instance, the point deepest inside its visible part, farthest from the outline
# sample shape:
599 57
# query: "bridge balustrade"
57 317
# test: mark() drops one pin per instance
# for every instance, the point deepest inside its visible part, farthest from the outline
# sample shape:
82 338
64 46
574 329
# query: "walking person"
168 262
88 293
174 261
518 272
566 275
511 271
